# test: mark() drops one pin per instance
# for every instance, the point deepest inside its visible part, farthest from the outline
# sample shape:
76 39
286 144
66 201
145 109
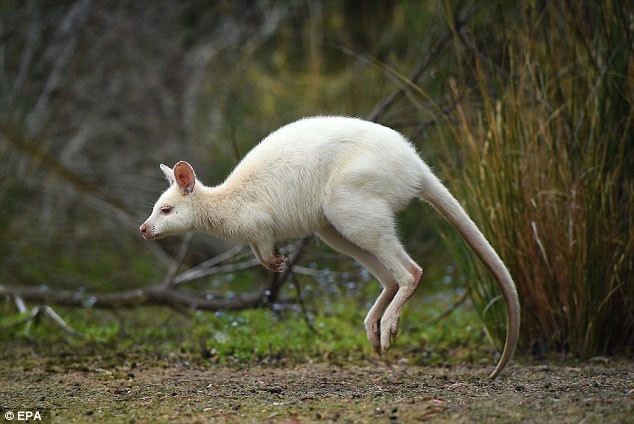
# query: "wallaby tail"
436 194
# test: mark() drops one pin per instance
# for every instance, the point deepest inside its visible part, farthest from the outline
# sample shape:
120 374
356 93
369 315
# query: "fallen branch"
154 295
168 293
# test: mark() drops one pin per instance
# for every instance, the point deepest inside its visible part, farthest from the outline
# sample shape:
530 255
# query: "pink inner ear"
185 177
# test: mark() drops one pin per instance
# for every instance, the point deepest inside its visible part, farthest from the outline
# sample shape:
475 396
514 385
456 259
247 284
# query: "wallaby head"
173 212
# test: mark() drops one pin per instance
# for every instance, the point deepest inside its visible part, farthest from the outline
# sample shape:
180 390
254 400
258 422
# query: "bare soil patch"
76 390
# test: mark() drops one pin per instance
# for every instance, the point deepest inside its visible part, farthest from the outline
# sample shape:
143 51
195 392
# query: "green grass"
256 336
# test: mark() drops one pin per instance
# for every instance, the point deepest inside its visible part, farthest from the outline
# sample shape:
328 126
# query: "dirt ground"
176 391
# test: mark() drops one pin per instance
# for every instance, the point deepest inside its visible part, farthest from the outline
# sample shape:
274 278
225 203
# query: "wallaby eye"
165 210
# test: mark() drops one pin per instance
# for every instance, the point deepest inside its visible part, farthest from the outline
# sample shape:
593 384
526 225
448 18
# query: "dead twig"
302 305
432 57
178 260
212 267
453 307
280 278
35 314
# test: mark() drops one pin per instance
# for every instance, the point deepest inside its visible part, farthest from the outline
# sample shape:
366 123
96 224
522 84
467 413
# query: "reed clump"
545 163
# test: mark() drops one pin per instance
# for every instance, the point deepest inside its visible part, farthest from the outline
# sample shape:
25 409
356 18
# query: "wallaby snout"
145 231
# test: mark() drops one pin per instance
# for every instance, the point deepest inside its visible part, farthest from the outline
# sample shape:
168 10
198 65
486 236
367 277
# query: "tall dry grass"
545 164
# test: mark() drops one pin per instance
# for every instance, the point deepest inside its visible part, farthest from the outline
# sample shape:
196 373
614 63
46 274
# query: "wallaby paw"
389 330
276 263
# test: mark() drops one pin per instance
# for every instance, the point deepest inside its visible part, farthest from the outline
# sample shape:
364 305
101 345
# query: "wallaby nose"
143 229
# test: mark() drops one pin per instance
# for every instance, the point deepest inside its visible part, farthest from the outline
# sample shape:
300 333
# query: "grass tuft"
546 152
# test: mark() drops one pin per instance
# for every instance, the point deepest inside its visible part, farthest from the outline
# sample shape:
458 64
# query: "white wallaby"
342 179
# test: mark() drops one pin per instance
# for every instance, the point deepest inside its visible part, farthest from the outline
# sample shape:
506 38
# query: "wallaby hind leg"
372 321
368 225
407 285
389 322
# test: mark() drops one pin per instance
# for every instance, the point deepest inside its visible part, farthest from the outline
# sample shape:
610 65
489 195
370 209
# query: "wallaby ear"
169 174
185 177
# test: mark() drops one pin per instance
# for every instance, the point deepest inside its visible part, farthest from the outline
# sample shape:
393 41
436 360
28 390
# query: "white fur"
343 179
